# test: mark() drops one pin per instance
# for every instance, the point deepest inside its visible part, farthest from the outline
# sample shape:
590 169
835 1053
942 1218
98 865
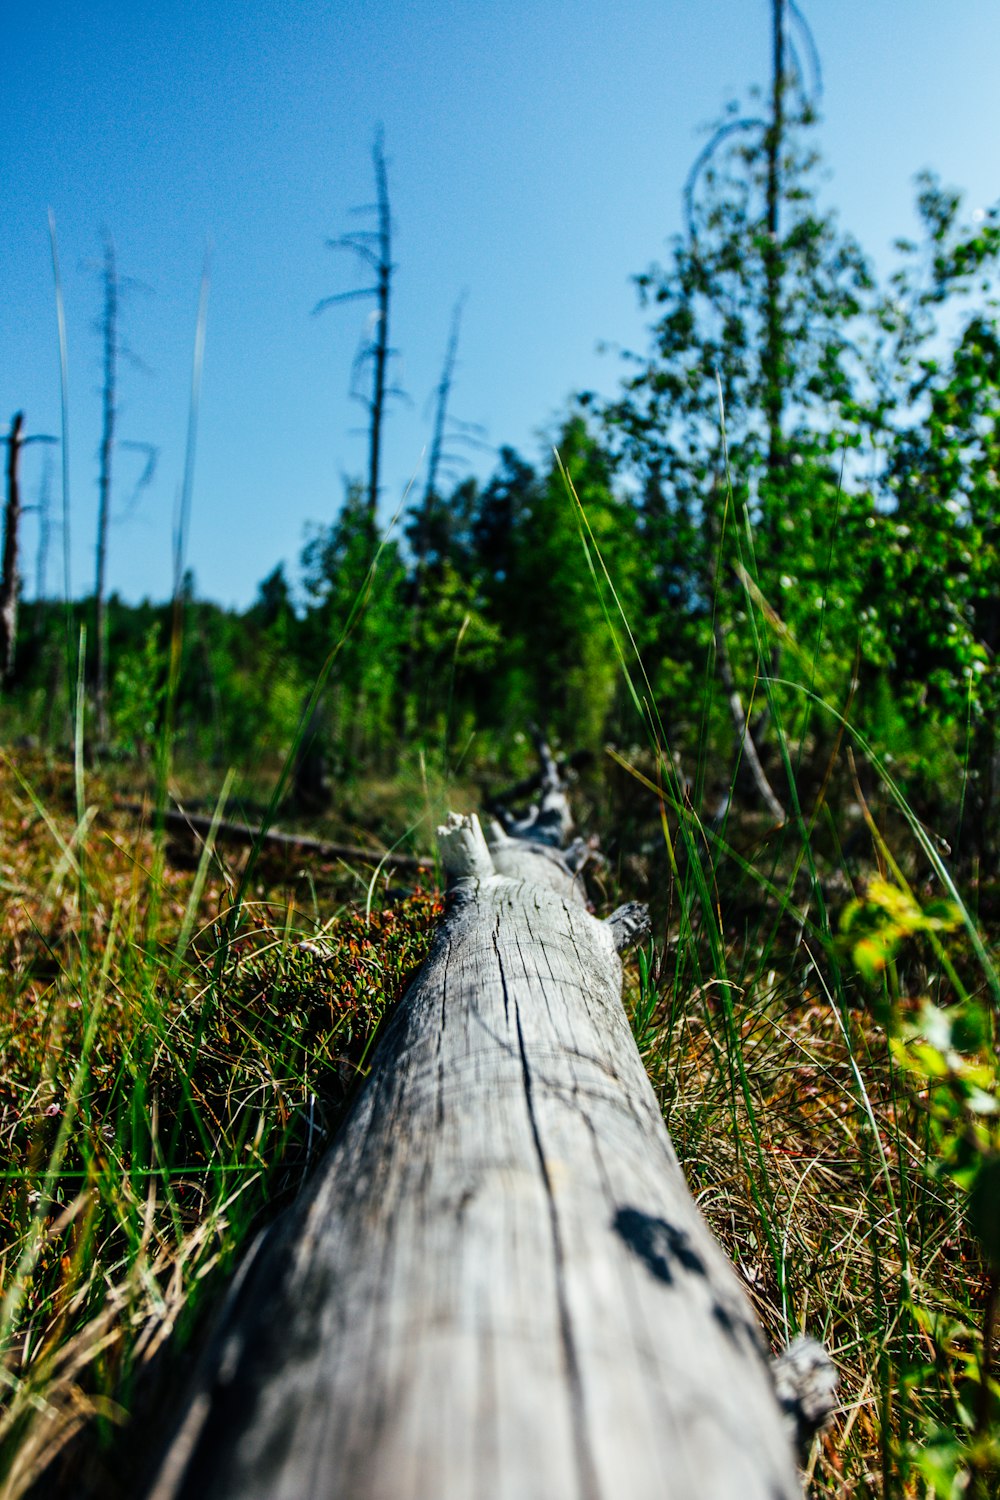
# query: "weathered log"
499 802
499 1286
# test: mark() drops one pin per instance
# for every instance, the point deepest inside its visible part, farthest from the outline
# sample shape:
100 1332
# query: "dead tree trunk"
9 579
499 1284
773 353
374 248
381 341
747 747
109 412
10 569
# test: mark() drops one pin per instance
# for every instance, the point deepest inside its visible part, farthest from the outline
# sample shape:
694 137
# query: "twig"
245 833
742 726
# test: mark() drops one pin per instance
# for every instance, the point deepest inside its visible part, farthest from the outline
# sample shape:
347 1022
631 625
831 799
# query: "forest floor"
182 1028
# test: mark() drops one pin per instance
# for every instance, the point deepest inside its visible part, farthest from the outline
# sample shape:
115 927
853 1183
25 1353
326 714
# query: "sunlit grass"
833 1164
173 1064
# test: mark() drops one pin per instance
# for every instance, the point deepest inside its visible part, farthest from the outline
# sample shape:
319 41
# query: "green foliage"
933 569
343 566
708 344
137 690
556 617
948 1054
858 492
880 922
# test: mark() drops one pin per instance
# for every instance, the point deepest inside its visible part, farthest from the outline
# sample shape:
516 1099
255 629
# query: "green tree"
934 575
355 587
565 667
453 653
736 420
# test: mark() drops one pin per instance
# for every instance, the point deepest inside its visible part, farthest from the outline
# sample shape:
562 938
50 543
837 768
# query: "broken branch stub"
464 852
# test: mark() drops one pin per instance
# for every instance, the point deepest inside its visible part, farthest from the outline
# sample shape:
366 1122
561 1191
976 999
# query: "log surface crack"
586 1469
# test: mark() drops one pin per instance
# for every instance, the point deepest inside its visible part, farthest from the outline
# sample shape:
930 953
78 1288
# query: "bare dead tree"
773 354
787 24
442 396
182 522
747 753
43 509
381 351
448 434
374 248
10 580
774 338
111 351
741 724
9 577
109 412
67 589
787 71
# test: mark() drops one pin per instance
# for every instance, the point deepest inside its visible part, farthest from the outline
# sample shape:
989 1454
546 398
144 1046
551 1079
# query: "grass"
169 1079
173 1063
814 1163
818 1016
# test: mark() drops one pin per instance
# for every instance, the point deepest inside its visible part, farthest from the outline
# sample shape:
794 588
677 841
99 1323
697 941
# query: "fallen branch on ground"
199 826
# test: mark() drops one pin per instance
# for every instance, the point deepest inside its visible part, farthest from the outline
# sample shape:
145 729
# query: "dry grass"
819 1161
173 1061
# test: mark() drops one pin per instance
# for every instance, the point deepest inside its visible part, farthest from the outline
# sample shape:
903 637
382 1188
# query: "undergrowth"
815 1149
821 1021
822 1045
175 1057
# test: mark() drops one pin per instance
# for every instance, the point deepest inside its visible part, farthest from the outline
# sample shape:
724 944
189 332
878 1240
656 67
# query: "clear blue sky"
536 153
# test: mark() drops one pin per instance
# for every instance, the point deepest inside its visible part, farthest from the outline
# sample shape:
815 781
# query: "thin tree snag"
498 1286
10 568
9 576
774 142
741 723
109 415
374 248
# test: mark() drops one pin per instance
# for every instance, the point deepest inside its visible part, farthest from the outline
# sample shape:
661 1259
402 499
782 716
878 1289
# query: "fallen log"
498 1286
498 802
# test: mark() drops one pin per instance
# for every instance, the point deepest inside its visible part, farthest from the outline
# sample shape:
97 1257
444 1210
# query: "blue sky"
536 150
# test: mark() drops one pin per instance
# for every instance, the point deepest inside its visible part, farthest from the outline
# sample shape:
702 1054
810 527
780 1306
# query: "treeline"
482 614
521 601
